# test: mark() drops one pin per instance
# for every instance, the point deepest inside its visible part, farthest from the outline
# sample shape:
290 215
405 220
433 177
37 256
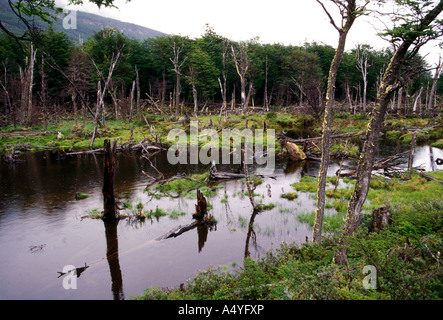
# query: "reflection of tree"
251 234
293 166
203 228
113 261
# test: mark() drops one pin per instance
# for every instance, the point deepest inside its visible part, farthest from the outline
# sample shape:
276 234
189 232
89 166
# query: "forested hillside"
86 25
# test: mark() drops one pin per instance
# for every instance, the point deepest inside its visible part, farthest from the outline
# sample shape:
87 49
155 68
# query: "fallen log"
380 164
336 136
428 177
25 133
214 174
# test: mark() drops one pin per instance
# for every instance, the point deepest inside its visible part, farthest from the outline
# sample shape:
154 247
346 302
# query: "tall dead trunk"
433 93
131 101
101 94
266 102
417 101
29 75
137 101
400 101
110 210
223 86
242 65
177 69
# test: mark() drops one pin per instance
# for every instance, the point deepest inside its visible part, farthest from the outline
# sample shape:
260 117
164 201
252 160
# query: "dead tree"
433 92
27 81
223 85
110 210
102 92
137 101
8 102
177 50
362 57
241 62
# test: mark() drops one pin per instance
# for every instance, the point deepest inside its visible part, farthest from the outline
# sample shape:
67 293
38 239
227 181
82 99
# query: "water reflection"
38 206
113 260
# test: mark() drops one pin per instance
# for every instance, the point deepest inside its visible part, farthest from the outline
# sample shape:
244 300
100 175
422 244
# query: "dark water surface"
41 229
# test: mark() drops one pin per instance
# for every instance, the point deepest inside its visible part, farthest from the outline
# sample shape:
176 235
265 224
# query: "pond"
42 230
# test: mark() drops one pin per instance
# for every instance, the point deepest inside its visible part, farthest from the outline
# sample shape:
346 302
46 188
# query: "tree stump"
201 208
380 219
110 211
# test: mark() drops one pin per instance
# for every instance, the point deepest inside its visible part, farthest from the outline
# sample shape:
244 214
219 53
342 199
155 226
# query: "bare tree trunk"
223 85
266 102
177 69
101 94
30 83
110 210
137 103
362 65
8 98
417 101
433 93
195 96
131 102
242 65
399 102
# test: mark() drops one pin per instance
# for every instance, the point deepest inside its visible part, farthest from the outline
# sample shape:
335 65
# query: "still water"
42 230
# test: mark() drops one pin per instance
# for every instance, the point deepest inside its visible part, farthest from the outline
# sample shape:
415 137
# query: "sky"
289 22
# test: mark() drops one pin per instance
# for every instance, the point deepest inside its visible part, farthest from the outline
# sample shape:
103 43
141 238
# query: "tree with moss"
415 28
349 11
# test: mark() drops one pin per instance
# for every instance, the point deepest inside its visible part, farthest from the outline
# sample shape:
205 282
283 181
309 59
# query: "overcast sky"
273 21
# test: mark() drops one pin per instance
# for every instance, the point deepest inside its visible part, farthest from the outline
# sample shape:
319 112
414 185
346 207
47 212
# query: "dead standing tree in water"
110 210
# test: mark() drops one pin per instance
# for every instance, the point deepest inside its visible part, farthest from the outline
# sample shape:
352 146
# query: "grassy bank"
66 134
406 255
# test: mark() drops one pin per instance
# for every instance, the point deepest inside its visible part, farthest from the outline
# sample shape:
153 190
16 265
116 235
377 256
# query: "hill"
87 24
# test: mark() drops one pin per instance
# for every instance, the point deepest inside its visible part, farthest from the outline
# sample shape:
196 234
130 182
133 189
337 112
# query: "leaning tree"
418 25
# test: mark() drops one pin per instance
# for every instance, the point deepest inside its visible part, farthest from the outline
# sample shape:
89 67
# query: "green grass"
289 195
306 184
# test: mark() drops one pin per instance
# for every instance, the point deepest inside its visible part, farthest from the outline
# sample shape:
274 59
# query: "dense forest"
175 75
